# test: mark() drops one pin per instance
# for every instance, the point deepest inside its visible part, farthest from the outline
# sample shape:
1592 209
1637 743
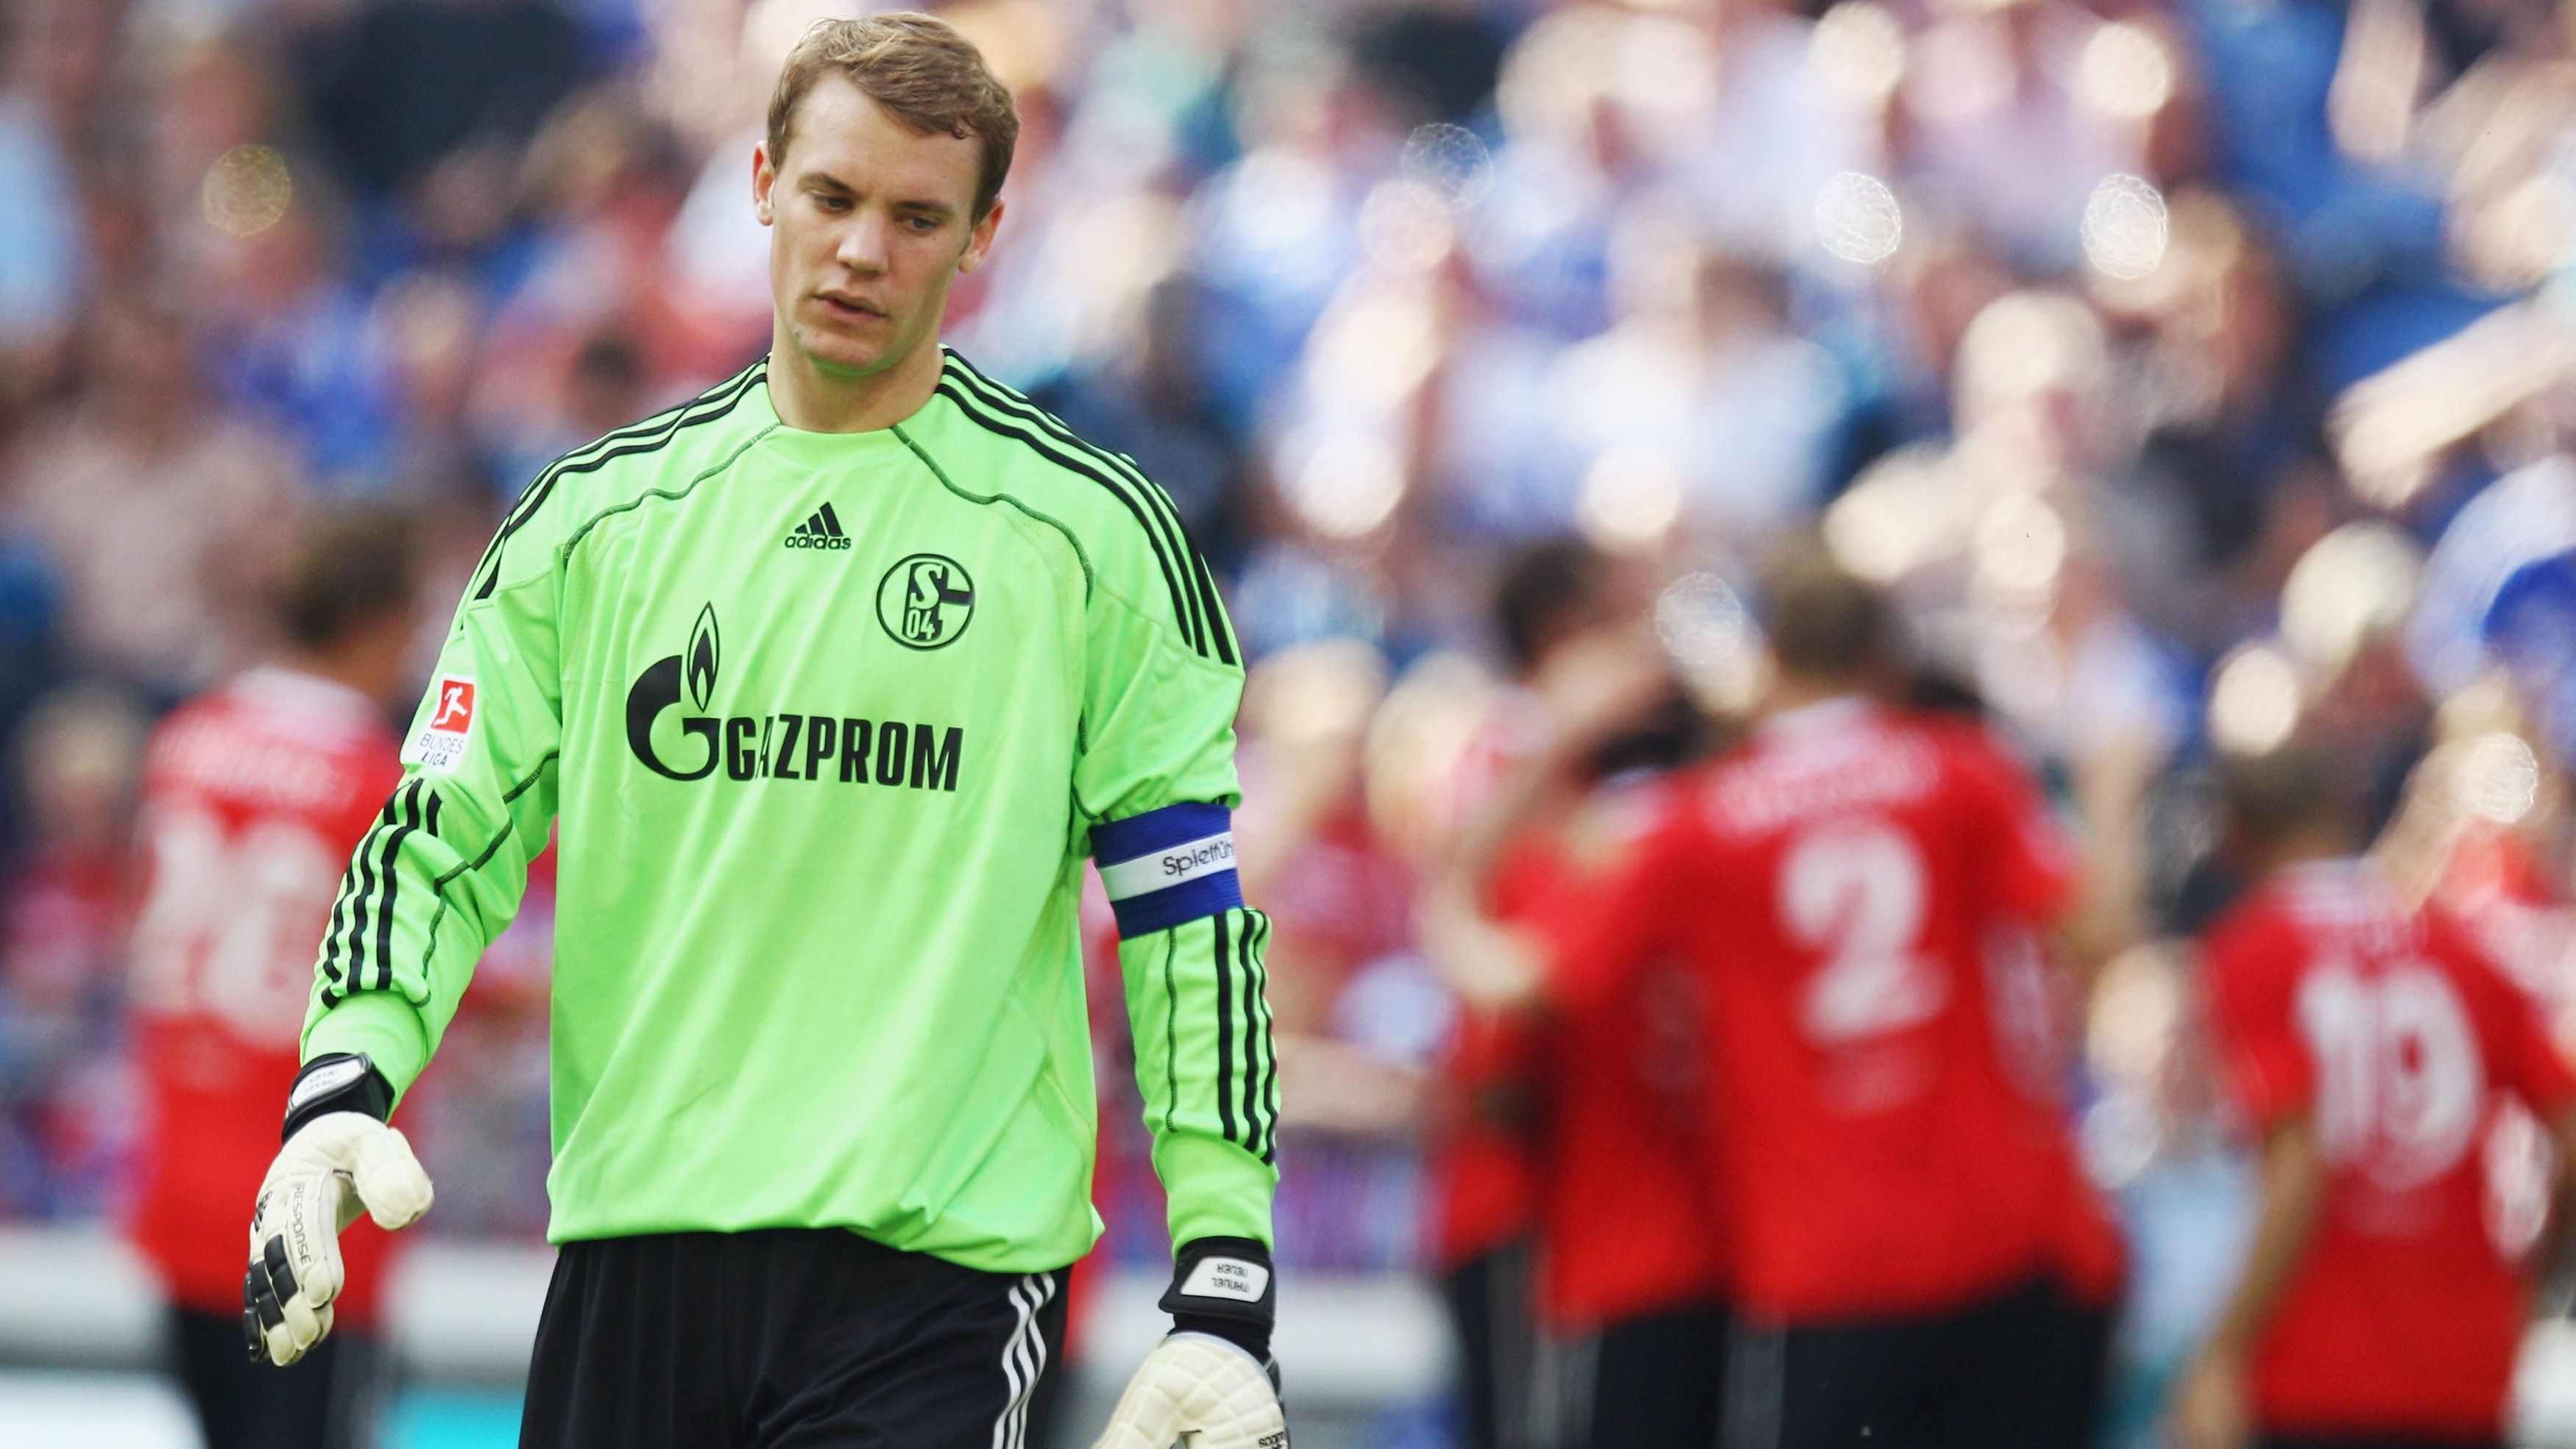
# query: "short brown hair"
347 570
921 70
1824 621
2284 793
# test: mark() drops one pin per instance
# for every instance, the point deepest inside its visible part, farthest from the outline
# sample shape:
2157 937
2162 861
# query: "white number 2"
230 924
2400 1083
1853 890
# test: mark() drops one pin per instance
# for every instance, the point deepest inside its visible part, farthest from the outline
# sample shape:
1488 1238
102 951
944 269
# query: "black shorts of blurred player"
2074 1339
332 1398
1490 1309
2371 1441
788 1338
1647 1382
1963 1379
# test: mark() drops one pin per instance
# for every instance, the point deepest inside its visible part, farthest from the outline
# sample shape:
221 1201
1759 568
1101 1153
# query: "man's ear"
979 239
764 178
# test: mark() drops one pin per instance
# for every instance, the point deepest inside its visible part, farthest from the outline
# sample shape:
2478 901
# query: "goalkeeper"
831 678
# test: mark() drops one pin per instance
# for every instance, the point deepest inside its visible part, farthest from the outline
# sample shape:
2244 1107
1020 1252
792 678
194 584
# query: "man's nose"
863 244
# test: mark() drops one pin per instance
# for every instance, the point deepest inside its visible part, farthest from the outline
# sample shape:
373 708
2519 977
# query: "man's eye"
921 223
833 203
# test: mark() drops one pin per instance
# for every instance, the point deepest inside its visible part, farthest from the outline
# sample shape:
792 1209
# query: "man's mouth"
847 307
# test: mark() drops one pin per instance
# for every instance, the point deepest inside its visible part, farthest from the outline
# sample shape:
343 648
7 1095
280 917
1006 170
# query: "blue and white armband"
1167 866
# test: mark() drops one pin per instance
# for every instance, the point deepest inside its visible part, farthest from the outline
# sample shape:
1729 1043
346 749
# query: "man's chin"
837 354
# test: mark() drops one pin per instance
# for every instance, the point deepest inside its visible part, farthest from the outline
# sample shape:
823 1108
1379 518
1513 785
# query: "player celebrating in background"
1832 882
1630 1260
2370 1044
832 678
253 794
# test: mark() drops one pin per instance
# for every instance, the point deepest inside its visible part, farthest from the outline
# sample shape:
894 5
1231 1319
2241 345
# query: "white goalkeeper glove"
1210 1383
1200 1390
340 1159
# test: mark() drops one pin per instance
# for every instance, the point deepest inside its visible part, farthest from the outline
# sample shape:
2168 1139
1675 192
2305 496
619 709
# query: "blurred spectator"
405 89
162 514
64 905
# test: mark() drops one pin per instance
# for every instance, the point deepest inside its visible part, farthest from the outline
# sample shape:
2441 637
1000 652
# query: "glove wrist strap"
1223 1286
337 1082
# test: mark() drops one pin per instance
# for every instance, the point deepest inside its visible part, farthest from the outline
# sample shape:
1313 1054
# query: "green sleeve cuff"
1214 1189
380 1023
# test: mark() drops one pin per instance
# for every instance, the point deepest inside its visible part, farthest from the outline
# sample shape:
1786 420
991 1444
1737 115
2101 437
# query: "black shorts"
331 1398
1654 1381
788 1338
1489 1309
1958 1380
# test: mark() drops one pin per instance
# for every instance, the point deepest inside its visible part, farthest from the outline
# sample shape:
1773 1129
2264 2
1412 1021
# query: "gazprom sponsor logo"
775 744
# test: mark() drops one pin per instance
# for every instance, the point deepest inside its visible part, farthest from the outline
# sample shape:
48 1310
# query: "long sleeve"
442 870
1156 781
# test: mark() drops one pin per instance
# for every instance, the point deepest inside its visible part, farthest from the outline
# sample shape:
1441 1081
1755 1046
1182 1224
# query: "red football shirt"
1830 882
1625 1226
2031 1017
1482 1184
2396 1035
253 796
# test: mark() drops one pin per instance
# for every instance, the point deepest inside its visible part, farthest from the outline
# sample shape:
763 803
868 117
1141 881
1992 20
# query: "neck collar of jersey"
295 688
779 439
1819 714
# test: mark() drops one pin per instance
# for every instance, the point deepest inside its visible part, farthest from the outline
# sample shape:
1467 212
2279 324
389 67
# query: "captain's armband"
1167 866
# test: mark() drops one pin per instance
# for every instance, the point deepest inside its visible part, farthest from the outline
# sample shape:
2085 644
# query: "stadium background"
2188 368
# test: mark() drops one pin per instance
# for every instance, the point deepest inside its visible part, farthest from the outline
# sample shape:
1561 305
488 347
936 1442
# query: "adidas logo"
823 530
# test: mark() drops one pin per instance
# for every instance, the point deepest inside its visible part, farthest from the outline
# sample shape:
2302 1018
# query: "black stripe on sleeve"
1223 961
1183 620
364 863
1243 958
1266 1090
643 438
1210 623
331 993
385 916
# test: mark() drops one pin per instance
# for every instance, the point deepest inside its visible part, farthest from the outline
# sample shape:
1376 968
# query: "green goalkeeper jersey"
827 724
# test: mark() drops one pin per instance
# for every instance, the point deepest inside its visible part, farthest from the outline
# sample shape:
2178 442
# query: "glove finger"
390 1180
282 1350
310 1243
303 1324
266 1315
1147 1417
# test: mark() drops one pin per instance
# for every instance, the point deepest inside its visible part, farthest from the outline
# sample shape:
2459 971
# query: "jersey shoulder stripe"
1200 579
1198 583
982 416
1163 522
649 436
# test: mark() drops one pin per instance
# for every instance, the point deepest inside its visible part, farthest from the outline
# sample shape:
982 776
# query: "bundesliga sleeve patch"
1167 866
439 747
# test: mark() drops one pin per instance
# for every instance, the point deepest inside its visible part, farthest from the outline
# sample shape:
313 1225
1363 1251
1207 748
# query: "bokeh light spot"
1450 161
1858 220
2499 779
2125 227
1632 495
2254 702
247 190
2125 72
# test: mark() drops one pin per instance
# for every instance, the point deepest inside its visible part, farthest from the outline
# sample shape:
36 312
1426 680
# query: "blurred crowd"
2190 371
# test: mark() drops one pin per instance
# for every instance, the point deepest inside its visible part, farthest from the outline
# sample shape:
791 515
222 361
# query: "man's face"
869 223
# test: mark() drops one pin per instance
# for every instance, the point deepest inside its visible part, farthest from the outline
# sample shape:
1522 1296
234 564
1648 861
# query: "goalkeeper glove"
339 1159
1210 1383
